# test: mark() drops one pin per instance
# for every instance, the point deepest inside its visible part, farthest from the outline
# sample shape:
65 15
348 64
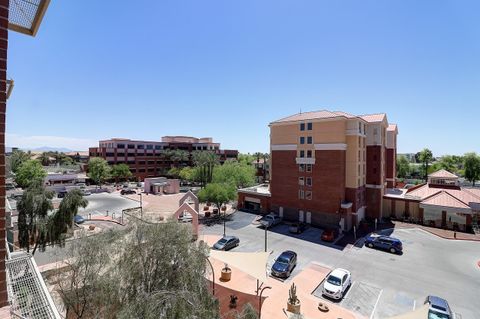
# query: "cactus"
292 295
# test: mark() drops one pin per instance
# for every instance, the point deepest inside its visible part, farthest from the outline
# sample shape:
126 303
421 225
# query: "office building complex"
151 159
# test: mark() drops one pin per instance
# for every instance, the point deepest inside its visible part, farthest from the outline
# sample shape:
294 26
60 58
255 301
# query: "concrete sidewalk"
443 233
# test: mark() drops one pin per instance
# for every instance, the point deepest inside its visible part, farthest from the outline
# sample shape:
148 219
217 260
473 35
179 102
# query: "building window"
158 147
141 170
309 181
301 181
374 170
140 146
120 145
309 126
309 140
302 153
302 140
309 154
375 157
130 146
149 147
308 195
302 126
359 127
141 162
110 154
309 168
301 194
301 167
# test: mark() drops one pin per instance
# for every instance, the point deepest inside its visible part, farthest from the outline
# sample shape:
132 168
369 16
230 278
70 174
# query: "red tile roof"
445 199
442 174
325 114
373 118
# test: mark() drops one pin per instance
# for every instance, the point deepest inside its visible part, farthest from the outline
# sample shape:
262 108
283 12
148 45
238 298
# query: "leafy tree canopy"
30 172
98 170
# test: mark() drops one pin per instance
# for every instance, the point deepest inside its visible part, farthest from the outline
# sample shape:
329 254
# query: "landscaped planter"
293 303
226 274
91 227
323 307
207 213
206 208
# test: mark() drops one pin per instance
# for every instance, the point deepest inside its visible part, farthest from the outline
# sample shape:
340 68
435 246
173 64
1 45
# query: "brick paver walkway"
444 233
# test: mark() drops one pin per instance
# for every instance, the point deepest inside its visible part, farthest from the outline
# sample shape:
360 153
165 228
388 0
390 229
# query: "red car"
329 235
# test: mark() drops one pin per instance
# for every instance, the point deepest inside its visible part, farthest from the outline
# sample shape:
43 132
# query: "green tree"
121 172
237 174
70 204
98 170
205 161
449 163
33 219
248 158
425 157
146 271
248 312
174 172
188 174
44 158
17 158
472 167
30 172
217 193
403 166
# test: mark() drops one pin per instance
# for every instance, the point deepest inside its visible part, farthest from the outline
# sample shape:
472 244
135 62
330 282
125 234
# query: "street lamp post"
266 227
260 301
213 275
224 222
141 207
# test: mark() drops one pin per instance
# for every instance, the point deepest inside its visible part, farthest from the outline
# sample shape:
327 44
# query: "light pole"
266 227
224 222
213 274
260 301
141 206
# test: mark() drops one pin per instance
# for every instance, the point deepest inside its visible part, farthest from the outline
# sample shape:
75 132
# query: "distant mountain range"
43 149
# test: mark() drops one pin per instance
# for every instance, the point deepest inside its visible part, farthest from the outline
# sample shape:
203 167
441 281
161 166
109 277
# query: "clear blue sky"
144 69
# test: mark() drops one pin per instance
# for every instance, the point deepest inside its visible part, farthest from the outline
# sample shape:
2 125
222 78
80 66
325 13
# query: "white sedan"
336 283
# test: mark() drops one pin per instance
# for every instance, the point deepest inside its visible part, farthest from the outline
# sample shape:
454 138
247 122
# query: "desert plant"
292 295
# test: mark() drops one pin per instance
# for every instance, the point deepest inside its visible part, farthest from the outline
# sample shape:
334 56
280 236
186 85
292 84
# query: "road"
383 284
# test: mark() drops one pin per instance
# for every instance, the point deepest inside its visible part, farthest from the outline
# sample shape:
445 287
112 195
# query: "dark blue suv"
387 243
284 264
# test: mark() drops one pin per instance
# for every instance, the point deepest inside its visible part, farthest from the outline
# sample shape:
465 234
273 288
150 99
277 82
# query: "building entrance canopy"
253 264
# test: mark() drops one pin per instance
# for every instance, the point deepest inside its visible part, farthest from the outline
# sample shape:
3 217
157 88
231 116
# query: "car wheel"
370 245
393 250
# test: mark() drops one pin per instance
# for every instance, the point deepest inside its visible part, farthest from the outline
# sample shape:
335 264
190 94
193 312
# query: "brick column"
4 4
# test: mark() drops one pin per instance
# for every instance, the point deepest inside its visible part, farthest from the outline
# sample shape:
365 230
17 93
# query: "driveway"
384 284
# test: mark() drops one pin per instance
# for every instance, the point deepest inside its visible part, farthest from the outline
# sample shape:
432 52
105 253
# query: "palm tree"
44 158
33 218
205 161
180 156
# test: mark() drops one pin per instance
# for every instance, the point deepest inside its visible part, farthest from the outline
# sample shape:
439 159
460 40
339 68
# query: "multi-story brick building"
330 168
151 158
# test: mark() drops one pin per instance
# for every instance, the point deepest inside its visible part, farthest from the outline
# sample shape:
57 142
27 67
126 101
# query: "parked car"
270 220
439 308
336 283
128 191
61 194
78 219
297 228
227 243
86 192
387 243
284 264
329 235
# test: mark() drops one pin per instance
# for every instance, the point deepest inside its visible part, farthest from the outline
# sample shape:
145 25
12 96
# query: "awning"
419 313
254 264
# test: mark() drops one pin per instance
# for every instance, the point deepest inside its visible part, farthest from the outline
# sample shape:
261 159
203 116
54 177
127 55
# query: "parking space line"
376 304
348 291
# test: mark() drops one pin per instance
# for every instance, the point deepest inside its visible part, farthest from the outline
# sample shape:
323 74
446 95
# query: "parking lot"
383 284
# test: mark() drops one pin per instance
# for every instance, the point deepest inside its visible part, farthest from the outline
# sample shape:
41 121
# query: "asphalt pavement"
384 284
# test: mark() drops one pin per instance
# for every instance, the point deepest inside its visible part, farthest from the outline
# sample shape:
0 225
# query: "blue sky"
226 69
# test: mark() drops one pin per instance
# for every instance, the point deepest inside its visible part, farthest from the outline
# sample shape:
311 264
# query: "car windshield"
222 241
334 280
432 314
282 260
